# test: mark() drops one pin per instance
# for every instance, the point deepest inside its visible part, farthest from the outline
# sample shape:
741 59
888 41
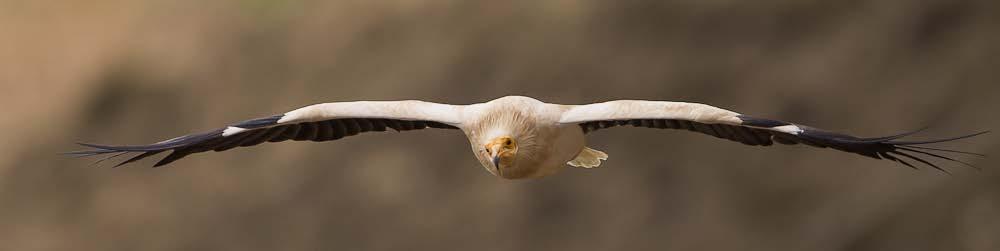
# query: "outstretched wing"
321 122
748 130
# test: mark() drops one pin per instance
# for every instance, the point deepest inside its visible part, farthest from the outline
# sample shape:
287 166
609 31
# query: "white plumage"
521 137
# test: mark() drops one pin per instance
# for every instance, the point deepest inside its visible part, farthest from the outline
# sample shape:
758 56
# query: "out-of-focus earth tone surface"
133 72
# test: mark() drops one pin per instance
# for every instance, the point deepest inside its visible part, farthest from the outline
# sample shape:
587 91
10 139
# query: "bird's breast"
550 150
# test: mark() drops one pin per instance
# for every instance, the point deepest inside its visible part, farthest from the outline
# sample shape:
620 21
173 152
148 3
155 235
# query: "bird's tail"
588 158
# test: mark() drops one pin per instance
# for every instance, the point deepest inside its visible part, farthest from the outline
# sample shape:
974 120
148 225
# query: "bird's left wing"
748 130
321 122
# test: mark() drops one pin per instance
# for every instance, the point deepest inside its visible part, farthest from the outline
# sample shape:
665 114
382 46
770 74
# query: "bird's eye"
507 142
488 150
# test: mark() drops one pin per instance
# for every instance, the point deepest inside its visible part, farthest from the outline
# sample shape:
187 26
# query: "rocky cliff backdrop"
132 72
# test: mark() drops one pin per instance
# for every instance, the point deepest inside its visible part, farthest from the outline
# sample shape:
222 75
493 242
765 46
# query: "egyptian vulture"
520 137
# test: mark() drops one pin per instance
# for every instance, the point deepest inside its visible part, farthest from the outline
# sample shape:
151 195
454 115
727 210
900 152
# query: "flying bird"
517 137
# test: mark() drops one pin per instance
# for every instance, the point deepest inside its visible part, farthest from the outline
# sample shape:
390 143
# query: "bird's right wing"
748 130
321 122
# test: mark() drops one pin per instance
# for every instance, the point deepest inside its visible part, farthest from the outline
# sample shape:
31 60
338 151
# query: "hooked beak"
498 149
496 163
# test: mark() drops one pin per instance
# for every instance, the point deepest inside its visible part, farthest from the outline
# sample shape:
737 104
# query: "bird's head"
501 152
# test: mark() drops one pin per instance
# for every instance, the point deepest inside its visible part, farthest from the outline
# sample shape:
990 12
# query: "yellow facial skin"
501 151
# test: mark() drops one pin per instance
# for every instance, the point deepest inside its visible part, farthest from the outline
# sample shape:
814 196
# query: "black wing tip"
97 146
95 150
171 144
897 136
114 151
889 147
943 150
137 148
939 157
915 147
922 142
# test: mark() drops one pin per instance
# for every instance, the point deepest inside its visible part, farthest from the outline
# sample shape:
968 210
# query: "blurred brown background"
130 72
